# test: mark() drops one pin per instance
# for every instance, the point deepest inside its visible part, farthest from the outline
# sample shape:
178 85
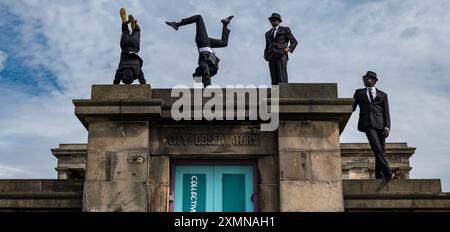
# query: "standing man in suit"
130 65
374 121
276 51
208 62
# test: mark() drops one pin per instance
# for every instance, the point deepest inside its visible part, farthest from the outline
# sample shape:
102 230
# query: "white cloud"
406 42
3 58
10 172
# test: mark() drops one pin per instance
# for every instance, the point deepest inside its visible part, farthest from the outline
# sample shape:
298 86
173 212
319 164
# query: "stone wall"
132 138
397 195
357 159
40 195
359 195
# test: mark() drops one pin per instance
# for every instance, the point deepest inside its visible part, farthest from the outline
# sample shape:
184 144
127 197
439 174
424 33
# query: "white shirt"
374 92
274 34
205 49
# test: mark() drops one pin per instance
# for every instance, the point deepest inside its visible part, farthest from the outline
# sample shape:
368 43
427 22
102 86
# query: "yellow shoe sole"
132 21
123 15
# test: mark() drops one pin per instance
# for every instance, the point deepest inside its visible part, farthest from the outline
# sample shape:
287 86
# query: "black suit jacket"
376 114
275 46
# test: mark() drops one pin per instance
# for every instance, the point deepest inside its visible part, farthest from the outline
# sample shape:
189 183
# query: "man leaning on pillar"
374 121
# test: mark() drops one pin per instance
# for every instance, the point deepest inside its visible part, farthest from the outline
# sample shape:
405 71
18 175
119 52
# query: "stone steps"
395 186
41 195
395 195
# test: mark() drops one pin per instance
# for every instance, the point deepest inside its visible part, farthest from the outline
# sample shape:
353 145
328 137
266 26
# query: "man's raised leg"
223 42
201 35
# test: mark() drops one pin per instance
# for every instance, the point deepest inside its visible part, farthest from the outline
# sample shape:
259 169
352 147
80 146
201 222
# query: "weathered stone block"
306 196
394 186
98 165
109 196
268 197
268 169
295 165
326 166
121 92
308 90
159 170
158 200
118 136
310 165
129 166
308 135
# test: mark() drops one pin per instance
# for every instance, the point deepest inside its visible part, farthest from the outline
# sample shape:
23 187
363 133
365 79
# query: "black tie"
370 94
273 32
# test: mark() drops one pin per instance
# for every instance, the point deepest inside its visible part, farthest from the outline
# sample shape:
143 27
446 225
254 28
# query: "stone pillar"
310 166
268 187
158 184
116 170
310 173
117 118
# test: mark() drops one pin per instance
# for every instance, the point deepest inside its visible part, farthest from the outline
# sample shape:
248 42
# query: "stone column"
268 186
62 173
310 174
117 118
158 184
116 170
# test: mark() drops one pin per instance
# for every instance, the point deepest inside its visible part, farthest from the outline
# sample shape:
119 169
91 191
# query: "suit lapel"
378 95
364 93
269 35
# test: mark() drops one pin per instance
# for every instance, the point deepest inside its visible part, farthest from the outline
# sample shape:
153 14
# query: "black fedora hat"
275 16
371 74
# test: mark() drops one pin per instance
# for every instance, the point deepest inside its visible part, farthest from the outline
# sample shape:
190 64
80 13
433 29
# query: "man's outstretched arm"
355 101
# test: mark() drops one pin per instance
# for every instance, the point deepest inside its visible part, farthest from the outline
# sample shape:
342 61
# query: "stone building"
138 158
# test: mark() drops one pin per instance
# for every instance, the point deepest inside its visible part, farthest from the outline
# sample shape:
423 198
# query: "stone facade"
357 160
127 123
133 141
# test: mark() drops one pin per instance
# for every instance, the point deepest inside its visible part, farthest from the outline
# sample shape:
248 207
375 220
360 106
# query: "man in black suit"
374 120
276 51
208 63
130 66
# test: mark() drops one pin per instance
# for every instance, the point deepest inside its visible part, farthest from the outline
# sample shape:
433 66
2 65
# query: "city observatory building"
139 158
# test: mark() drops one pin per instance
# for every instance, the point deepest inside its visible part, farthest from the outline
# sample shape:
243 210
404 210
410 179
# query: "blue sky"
53 51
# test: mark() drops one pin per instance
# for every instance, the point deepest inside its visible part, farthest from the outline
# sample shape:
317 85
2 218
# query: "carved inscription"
214 139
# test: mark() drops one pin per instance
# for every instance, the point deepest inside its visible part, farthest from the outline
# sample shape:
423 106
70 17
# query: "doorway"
213 187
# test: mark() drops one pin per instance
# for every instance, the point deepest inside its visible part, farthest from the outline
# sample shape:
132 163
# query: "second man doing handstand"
208 63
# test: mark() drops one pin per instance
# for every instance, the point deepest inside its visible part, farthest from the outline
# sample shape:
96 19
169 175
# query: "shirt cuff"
387 128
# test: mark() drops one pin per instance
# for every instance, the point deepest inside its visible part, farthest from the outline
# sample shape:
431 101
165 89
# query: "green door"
216 188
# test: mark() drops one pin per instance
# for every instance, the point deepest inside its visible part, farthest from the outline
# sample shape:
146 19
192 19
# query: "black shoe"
395 170
391 177
173 25
227 20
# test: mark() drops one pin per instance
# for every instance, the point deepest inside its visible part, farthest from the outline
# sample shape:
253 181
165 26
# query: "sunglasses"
367 78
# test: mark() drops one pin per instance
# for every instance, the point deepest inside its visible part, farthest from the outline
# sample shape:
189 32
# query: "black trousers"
377 143
278 70
201 35
130 42
203 40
